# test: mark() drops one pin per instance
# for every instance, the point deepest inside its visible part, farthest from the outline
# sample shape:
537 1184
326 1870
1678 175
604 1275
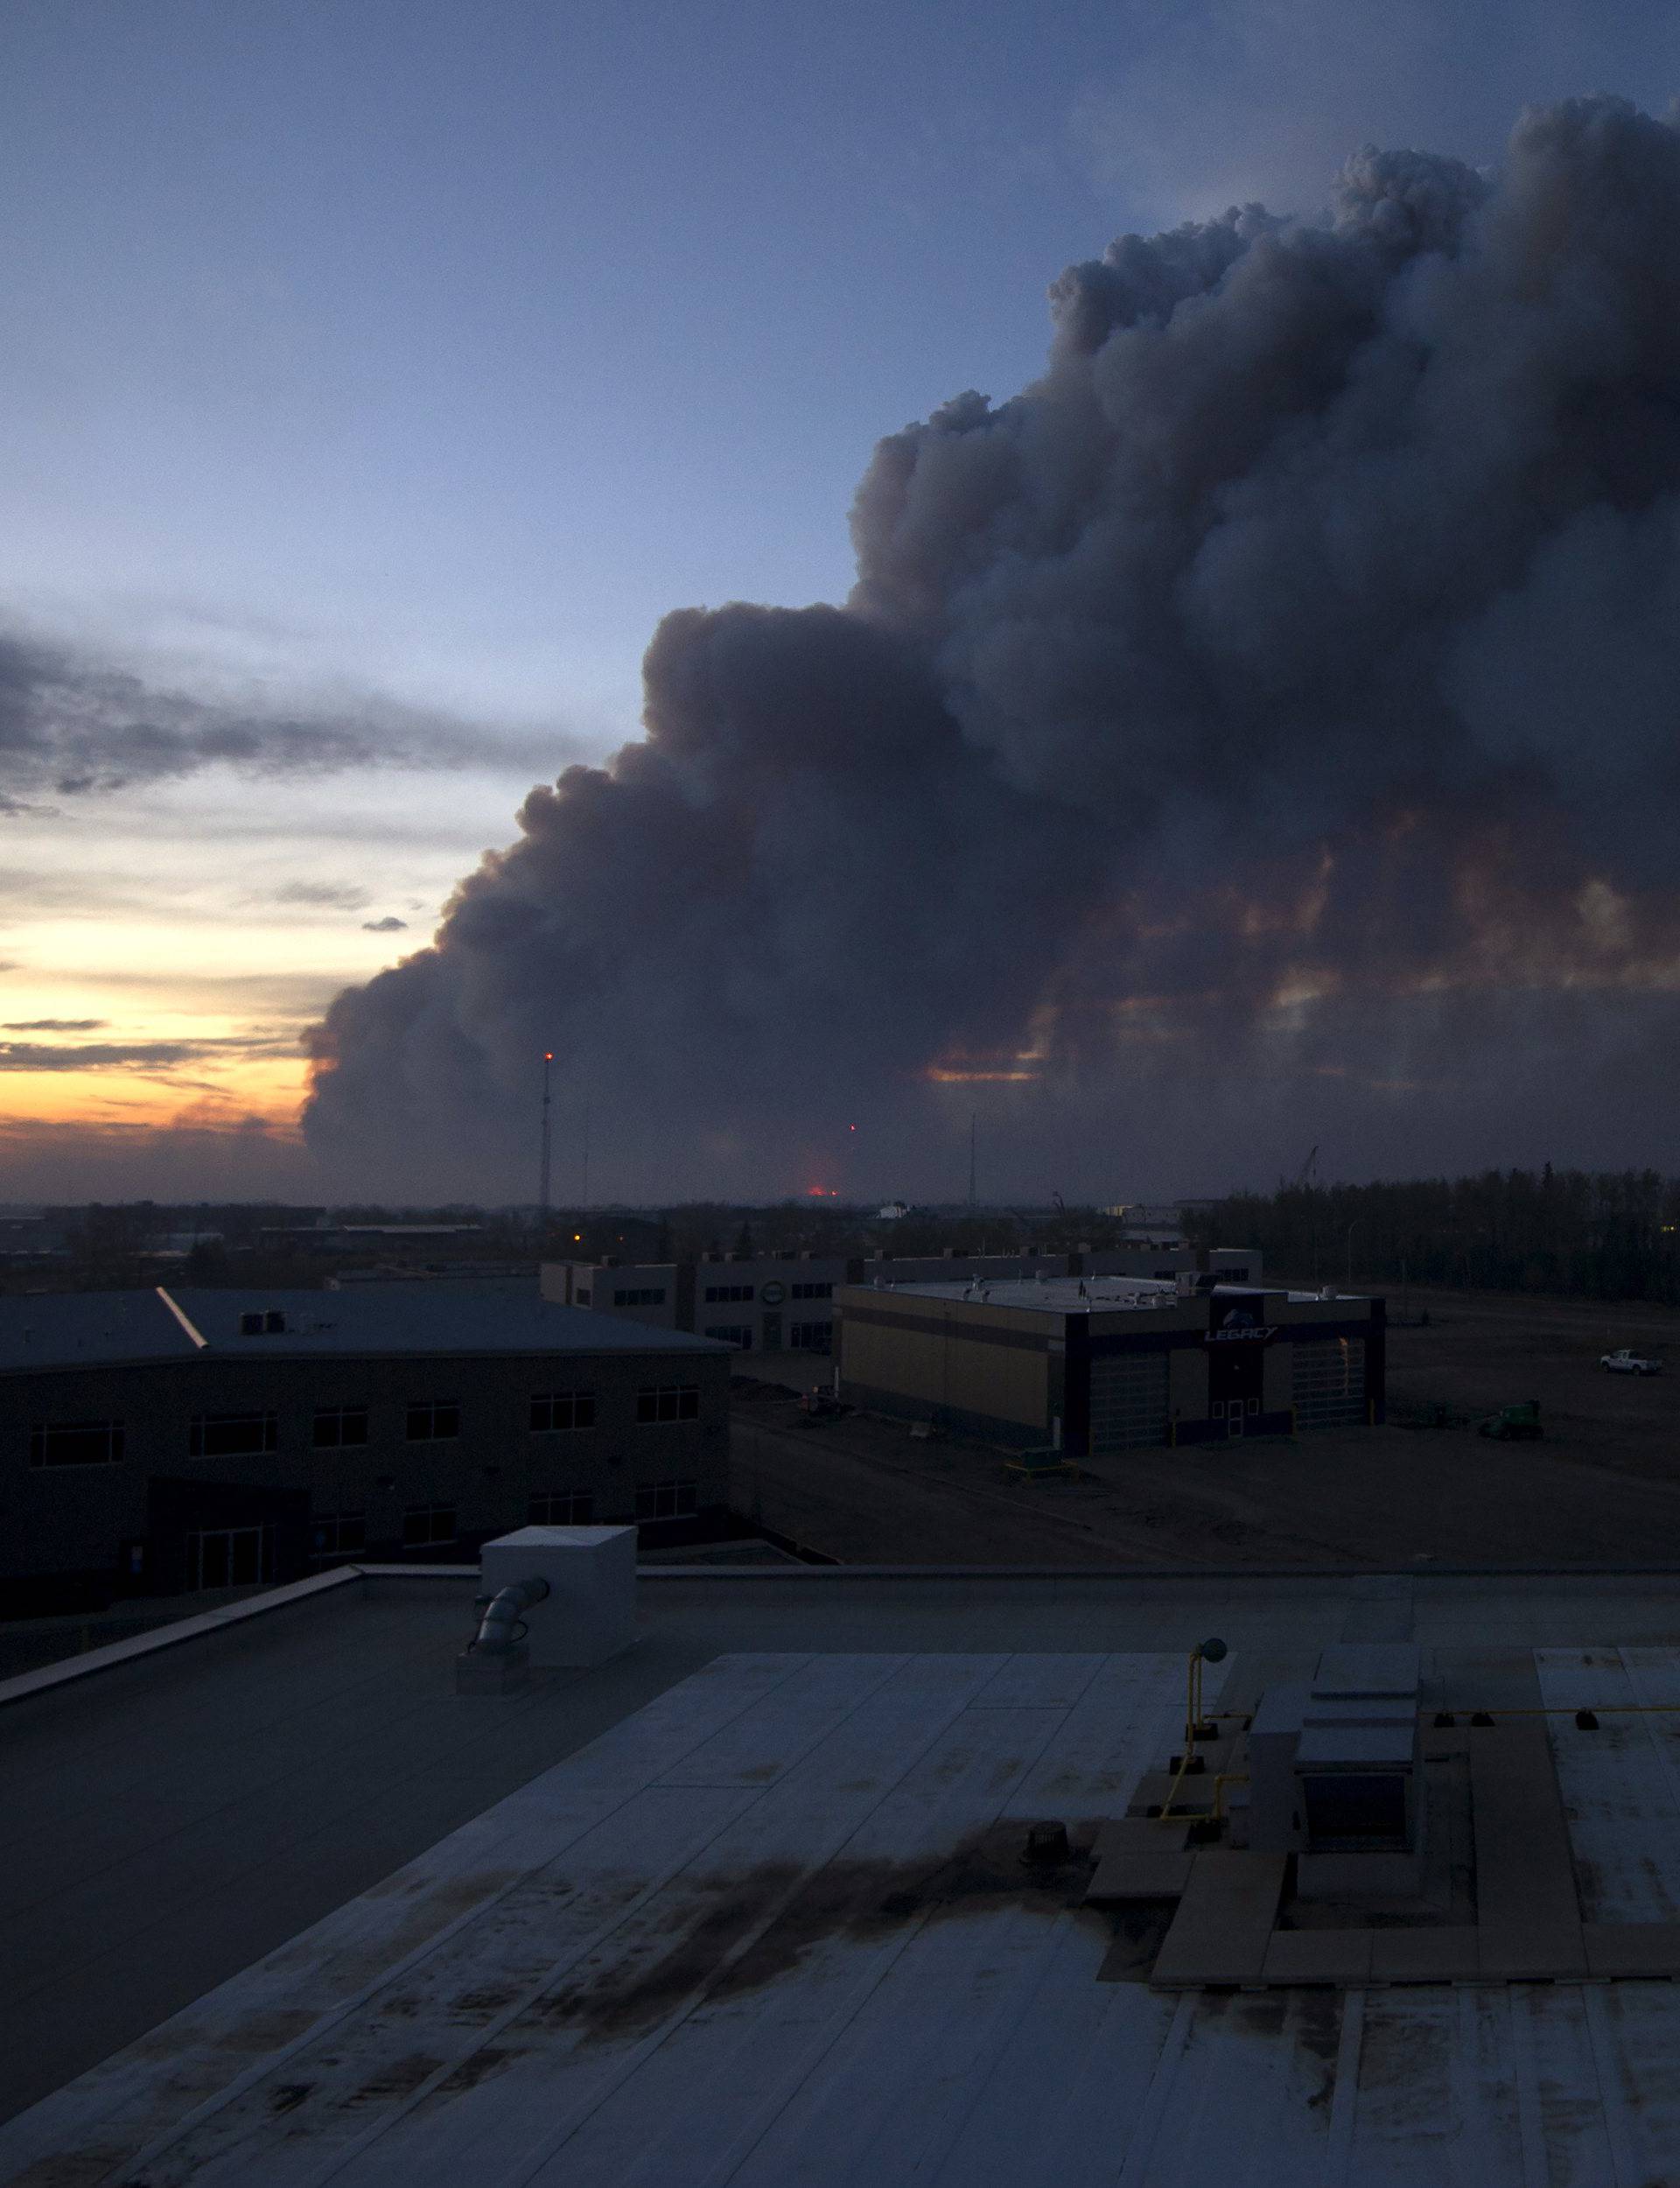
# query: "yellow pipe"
1216 1814
1193 1718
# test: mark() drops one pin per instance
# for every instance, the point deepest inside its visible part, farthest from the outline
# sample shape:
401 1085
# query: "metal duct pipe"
502 1625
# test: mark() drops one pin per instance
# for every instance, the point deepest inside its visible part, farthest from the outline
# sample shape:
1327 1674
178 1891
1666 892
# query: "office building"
179 1439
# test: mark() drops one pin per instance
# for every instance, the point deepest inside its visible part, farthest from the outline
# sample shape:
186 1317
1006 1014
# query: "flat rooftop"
745 1904
80 1329
1093 1294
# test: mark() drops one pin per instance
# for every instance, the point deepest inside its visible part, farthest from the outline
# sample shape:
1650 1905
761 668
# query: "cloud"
1260 729
134 1055
53 1026
389 925
81 727
330 895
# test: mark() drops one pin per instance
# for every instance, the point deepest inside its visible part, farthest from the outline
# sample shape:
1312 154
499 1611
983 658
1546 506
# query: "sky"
377 376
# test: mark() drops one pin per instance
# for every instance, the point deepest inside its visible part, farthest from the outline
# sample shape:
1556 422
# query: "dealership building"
182 1439
784 1302
1095 1366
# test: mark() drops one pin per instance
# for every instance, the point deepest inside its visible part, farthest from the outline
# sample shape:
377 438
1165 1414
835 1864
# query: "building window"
266 1322
580 1297
231 1435
434 1420
424 1524
727 1295
810 1336
76 1443
811 1291
667 1500
337 1534
738 1333
554 1410
639 1299
337 1426
562 1508
670 1401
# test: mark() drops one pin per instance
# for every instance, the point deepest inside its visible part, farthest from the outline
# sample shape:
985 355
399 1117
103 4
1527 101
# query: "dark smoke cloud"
1260 730
76 726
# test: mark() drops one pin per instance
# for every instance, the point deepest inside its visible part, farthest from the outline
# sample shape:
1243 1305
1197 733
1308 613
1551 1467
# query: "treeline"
1594 1234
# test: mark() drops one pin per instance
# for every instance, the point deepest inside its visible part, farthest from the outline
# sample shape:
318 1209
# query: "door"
228 1557
772 1332
1235 1385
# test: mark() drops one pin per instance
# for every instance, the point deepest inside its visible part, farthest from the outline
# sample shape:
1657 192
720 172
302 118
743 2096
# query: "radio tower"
974 1122
543 1190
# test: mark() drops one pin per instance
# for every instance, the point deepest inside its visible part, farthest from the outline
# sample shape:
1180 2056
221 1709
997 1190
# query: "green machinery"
1043 1463
1514 1423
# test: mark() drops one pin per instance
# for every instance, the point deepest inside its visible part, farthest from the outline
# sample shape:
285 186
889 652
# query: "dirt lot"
1602 1489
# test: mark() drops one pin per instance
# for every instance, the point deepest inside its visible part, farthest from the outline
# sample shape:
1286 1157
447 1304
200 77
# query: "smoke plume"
1261 729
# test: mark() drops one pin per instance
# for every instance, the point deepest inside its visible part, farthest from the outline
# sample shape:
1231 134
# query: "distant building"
180 1439
1097 1366
785 1302
29 1238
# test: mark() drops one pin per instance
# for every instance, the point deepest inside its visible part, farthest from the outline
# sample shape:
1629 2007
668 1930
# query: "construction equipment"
1514 1423
1043 1463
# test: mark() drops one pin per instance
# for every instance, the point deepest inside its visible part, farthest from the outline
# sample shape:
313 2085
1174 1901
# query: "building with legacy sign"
1101 1365
178 1438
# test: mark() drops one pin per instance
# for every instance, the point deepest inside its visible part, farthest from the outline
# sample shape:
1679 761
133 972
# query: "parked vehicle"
1626 1363
820 1405
1514 1423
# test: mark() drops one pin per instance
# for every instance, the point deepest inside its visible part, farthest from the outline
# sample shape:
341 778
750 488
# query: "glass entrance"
228 1557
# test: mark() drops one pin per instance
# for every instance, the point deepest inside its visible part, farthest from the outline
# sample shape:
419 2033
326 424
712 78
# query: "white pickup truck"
1627 1363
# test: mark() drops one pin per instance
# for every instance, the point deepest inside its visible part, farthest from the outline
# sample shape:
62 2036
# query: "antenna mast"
974 1120
542 1192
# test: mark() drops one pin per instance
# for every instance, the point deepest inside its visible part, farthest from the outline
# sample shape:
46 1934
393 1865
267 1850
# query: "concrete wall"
75 1519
